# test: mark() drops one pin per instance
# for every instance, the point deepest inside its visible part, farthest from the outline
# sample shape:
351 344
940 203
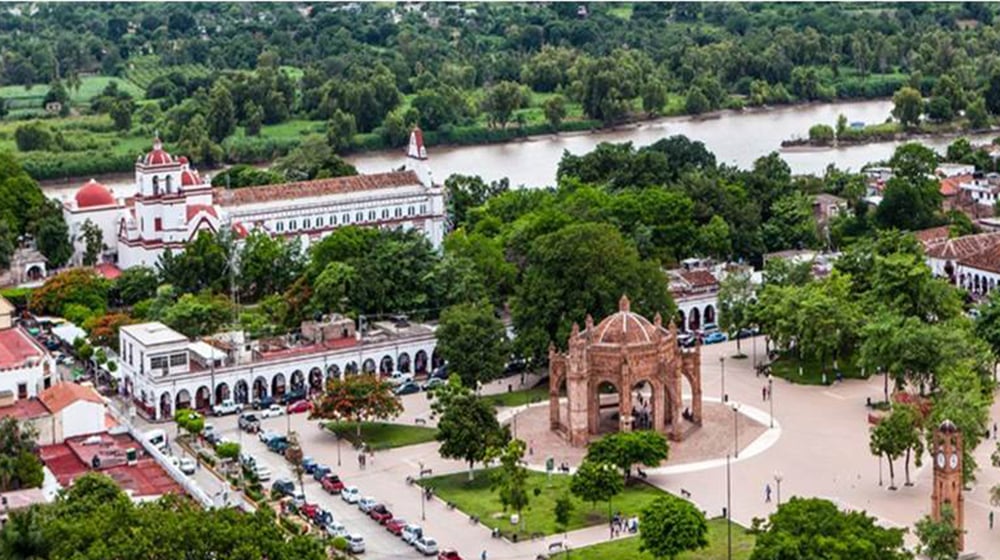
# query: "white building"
26 367
971 262
174 203
74 410
164 371
982 189
695 289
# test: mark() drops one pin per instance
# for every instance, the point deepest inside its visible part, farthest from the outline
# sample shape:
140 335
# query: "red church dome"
190 178
93 194
158 156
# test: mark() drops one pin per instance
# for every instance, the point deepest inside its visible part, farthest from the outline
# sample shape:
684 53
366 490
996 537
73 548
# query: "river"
736 138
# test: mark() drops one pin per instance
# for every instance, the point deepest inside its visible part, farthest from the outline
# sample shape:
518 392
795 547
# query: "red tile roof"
194 209
949 186
698 278
961 247
939 233
61 395
16 346
108 271
988 259
24 409
319 187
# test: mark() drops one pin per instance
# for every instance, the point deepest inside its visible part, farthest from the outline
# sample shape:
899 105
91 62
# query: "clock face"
953 461
940 460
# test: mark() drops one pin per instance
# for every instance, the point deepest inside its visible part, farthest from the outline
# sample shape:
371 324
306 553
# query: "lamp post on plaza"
777 480
770 396
753 341
423 498
729 511
337 436
722 364
880 469
736 430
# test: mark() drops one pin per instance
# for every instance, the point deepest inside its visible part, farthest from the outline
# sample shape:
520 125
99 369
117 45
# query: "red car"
332 484
395 526
309 510
381 514
449 554
299 406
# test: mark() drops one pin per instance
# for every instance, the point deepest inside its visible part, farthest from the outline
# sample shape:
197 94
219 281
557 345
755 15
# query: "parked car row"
294 501
410 533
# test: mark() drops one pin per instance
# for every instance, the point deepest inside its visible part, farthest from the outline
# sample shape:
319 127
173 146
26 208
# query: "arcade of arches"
623 374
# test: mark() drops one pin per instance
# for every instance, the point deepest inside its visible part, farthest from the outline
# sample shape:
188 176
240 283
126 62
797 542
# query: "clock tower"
946 449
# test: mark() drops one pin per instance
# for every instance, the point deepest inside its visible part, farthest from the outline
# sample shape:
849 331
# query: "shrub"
340 543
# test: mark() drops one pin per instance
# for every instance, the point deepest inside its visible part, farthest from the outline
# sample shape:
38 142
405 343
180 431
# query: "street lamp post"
753 341
736 430
880 469
337 436
770 396
722 364
729 511
777 480
423 498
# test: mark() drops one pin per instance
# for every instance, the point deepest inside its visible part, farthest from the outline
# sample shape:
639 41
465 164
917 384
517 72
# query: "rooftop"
24 409
19 499
154 333
17 347
61 395
319 187
961 247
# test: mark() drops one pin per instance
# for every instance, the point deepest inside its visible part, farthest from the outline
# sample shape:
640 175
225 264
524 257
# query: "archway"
420 362
694 319
202 398
680 321
643 405
241 393
278 385
709 314
436 359
605 417
385 365
333 371
259 388
298 381
368 366
315 380
404 362
221 392
351 368
35 272
166 404
183 399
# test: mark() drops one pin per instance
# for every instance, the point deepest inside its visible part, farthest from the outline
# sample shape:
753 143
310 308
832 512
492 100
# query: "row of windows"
175 360
345 218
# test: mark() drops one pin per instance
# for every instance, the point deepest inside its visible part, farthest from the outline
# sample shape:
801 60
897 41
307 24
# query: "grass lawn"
475 498
383 435
519 398
628 549
787 367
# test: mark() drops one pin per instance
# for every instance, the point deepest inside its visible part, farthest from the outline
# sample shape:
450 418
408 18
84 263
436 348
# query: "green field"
90 86
476 498
143 70
628 548
383 435
519 398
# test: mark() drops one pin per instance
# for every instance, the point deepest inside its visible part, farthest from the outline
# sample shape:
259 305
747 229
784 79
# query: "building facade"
26 367
173 203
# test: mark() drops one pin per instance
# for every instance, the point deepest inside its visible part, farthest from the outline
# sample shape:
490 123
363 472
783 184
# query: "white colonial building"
164 371
26 367
173 203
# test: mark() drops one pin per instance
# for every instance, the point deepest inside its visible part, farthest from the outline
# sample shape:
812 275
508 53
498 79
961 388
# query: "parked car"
278 444
440 372
308 464
449 554
432 383
350 494
187 465
332 484
366 504
208 432
300 406
714 338
356 544
309 510
283 487
335 529
709 328
249 422
395 526
746 333
380 513
266 437
320 472
262 473
426 545
411 533
407 389
228 406
263 402
293 397
400 378
272 411
322 517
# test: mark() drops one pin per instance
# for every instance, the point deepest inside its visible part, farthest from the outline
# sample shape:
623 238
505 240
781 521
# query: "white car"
263 473
399 378
367 503
227 406
356 544
335 529
188 465
351 494
272 411
411 533
427 546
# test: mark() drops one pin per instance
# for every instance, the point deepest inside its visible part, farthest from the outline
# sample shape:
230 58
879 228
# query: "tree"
626 449
357 398
74 286
19 467
313 159
500 101
907 106
938 537
987 324
136 284
696 103
510 479
466 192
563 510
895 434
473 341
189 421
52 234
268 265
221 112
34 136
121 114
821 134
654 96
203 265
671 526
976 112
332 287
715 238
340 130
964 399
805 528
596 482
841 125
792 223
196 142
103 330
254 118
7 241
736 301
992 93
468 429
198 315
93 240
555 111
909 204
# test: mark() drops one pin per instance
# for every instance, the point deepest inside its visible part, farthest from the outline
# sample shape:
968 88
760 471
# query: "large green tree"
736 304
468 429
19 466
357 398
473 341
627 449
672 526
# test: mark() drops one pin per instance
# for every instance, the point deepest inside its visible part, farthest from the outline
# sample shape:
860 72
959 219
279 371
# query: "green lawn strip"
519 398
628 548
383 435
787 367
476 498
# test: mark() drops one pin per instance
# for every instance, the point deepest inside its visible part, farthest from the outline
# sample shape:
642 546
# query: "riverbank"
823 137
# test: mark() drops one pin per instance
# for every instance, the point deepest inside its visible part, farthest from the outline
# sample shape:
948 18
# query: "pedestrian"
531 447
767 493
994 430
763 393
483 555
991 520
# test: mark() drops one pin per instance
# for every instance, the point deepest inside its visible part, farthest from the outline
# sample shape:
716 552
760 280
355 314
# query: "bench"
422 421
685 494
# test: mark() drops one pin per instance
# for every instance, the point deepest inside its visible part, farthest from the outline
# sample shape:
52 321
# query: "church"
173 203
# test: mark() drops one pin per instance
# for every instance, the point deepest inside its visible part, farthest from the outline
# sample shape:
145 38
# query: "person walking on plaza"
763 393
767 493
991 520
483 555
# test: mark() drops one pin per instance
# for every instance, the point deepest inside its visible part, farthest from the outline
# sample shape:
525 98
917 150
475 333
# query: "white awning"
206 352
68 332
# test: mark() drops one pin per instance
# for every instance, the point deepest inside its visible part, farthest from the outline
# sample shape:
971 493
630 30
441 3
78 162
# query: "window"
156 186
306 223
168 184
157 224
280 226
22 390
292 225
333 220
398 212
158 362
130 354
371 215
423 208
359 217
347 218
319 221
178 360
385 213
410 211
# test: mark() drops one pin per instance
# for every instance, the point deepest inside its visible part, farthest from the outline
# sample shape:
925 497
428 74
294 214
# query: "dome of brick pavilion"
625 327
